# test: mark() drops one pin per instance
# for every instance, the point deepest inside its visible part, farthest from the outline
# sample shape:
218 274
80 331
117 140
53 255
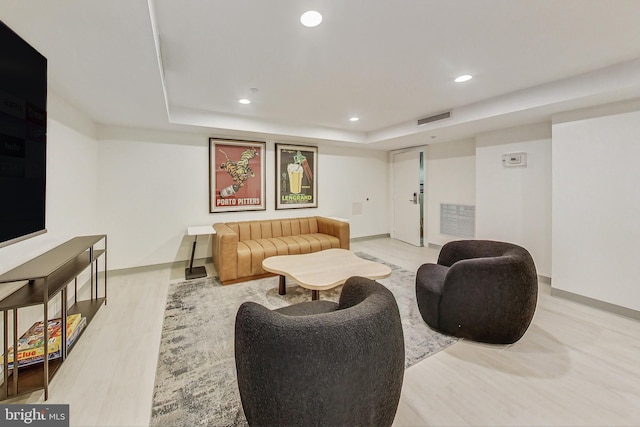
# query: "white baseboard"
591 302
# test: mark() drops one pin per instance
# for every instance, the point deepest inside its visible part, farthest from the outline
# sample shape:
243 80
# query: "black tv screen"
23 138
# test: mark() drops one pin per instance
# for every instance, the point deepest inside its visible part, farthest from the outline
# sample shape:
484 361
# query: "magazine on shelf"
31 344
56 354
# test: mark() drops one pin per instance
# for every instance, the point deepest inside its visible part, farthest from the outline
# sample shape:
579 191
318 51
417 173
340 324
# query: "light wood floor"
575 365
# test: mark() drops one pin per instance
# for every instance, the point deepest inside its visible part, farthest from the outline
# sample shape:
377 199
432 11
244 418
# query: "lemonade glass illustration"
295 177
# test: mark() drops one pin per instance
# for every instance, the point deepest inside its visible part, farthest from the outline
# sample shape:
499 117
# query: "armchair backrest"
343 367
459 250
487 283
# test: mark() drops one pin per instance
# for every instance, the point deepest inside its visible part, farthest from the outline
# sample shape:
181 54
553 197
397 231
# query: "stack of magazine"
31 343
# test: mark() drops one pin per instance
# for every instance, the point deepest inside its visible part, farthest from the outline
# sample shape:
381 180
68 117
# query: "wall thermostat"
512 160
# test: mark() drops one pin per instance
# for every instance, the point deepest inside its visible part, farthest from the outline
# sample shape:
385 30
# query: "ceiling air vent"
435 118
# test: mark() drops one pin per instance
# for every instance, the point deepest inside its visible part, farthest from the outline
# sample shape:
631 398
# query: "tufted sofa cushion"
240 247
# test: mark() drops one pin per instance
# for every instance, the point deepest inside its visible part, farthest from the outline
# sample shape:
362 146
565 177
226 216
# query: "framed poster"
236 175
296 176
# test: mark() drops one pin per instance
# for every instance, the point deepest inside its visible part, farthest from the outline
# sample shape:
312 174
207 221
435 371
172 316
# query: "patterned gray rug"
196 377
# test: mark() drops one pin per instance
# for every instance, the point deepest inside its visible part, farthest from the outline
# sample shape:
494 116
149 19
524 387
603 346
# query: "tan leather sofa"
240 247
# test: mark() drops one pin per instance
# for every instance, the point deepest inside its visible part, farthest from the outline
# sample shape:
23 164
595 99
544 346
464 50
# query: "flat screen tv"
23 138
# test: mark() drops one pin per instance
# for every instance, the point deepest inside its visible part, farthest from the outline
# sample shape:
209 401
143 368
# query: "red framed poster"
236 175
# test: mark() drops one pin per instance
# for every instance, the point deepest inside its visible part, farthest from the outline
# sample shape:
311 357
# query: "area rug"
196 377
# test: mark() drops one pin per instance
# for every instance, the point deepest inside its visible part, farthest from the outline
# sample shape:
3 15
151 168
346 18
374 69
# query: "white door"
406 197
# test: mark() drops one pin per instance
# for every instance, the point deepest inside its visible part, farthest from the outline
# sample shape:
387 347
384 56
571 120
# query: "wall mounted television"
23 138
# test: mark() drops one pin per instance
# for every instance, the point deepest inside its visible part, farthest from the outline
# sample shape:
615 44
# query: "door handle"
415 199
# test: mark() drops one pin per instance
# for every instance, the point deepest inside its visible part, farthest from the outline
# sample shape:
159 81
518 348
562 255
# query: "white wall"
71 199
143 188
596 207
153 185
451 179
351 178
514 204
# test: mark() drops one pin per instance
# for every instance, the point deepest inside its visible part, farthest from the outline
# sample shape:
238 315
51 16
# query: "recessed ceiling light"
463 78
244 101
354 119
311 19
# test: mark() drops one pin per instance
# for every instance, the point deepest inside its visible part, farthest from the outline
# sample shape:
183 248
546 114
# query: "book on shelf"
31 343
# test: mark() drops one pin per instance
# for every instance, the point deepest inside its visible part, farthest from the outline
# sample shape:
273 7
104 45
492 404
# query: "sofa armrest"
333 227
225 252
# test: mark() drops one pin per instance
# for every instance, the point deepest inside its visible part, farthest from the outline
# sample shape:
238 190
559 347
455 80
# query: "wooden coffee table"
323 270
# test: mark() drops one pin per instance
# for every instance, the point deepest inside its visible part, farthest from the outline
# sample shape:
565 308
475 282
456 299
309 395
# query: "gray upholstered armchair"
480 289
320 362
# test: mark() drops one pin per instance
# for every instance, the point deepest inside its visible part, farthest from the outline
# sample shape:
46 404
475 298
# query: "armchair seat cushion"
309 307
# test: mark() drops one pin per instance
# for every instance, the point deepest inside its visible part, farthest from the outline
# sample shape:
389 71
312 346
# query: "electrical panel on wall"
514 160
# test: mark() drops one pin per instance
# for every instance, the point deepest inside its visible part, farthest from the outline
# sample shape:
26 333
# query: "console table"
192 272
46 277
